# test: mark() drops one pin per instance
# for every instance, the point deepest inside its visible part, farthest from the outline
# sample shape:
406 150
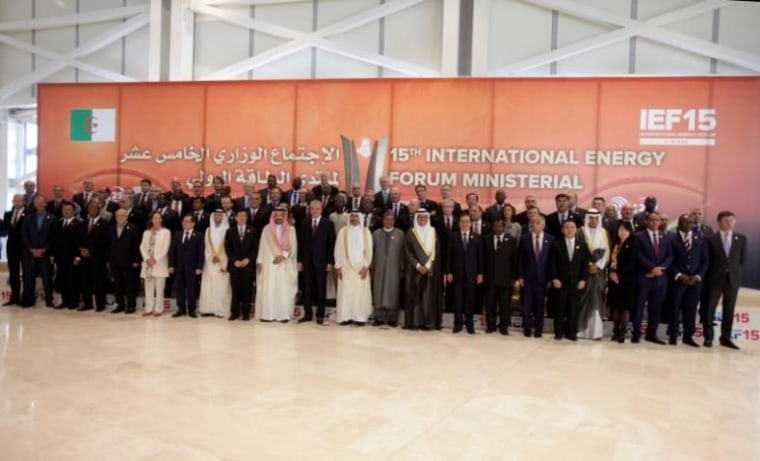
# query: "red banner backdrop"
688 141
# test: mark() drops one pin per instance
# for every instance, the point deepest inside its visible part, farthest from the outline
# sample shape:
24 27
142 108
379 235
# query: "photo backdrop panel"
66 162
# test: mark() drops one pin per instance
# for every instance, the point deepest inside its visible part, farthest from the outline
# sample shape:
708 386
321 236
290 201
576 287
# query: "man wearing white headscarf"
216 294
276 271
423 275
592 300
353 257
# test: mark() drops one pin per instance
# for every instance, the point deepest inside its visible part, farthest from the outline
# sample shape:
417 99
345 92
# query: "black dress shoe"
284 321
26 305
620 338
193 315
557 337
690 342
233 317
84 308
100 309
526 333
305 319
392 324
707 343
537 334
673 341
60 306
457 329
471 330
409 327
73 307
490 330
360 324
12 302
424 328
344 323
656 340
729 344
636 340
320 320
130 310
178 314
573 338
504 332
246 318
377 323
207 315
118 310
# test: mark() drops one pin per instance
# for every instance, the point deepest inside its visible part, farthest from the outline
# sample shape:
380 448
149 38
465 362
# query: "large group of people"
376 254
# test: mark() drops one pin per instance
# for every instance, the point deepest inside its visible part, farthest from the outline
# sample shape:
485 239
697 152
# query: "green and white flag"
93 125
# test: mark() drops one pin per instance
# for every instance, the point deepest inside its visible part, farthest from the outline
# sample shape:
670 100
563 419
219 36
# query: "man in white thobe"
276 269
216 293
353 257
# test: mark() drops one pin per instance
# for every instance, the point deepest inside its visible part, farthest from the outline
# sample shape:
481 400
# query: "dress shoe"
344 323
377 323
73 307
409 327
320 320
233 317
490 330
537 334
60 306
12 302
392 324
636 340
708 343
690 342
178 314
471 330
147 313
284 321
504 332
100 309
246 318
157 314
193 315
205 314
526 333
360 324
457 329
84 308
558 337
656 340
304 320
573 338
49 305
673 341
130 310
424 328
26 305
728 343
118 310
620 338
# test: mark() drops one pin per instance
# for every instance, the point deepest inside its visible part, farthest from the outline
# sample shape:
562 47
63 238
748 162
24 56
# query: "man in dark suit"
444 223
577 210
213 200
36 236
383 196
316 250
324 188
55 205
464 269
12 224
135 215
300 210
499 275
93 253
478 224
274 198
175 190
555 220
65 251
258 213
494 211
241 243
186 263
690 262
179 202
327 196
124 261
30 193
700 228
291 196
650 206
728 252
271 184
400 211
627 214
202 219
446 195
533 275
425 202
654 257
244 202
170 217
522 218
568 269
370 219
82 199
141 198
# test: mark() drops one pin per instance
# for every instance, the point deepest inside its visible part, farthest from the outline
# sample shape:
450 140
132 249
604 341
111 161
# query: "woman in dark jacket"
621 293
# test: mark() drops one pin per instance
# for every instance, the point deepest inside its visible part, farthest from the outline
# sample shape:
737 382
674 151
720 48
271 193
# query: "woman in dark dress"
621 294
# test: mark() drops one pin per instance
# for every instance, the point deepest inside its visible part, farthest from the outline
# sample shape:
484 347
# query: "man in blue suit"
532 272
654 257
690 261
36 236
186 263
465 270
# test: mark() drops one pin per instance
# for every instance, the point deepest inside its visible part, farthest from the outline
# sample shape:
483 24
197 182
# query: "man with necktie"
186 263
36 236
464 269
65 251
11 226
654 257
316 257
241 244
82 199
728 253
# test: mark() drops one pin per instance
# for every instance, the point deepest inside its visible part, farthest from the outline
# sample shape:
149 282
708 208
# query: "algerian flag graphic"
93 125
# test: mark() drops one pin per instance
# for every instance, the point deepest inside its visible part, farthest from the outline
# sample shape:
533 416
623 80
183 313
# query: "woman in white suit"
155 266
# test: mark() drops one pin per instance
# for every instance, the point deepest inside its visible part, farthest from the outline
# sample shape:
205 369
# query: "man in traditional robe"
423 275
216 292
592 300
353 257
387 271
276 271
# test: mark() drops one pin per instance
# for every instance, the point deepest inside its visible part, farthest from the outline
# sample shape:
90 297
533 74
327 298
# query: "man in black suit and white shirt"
124 261
499 276
93 254
36 235
316 257
82 199
11 226
186 263
464 269
65 251
728 252
495 211
383 196
241 244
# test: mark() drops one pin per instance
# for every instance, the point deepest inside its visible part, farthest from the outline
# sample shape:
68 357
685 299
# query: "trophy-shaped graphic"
377 154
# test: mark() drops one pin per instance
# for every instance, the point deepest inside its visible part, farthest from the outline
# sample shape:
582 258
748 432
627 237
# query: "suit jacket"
350 205
493 212
372 222
259 219
213 201
499 261
402 218
553 226
239 203
95 239
457 209
202 222
430 205
380 202
318 191
692 262
645 257
722 265
54 207
464 263
188 255
38 238
138 201
527 266
439 224
65 241
485 227
287 196
124 250
238 249
171 219
703 230
79 200
137 217
14 244
186 207
316 250
562 268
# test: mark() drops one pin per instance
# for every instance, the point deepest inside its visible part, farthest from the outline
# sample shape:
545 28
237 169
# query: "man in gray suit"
387 271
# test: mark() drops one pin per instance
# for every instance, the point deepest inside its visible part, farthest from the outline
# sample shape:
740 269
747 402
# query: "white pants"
154 294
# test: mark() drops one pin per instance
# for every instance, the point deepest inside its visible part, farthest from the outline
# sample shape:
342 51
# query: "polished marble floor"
95 386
